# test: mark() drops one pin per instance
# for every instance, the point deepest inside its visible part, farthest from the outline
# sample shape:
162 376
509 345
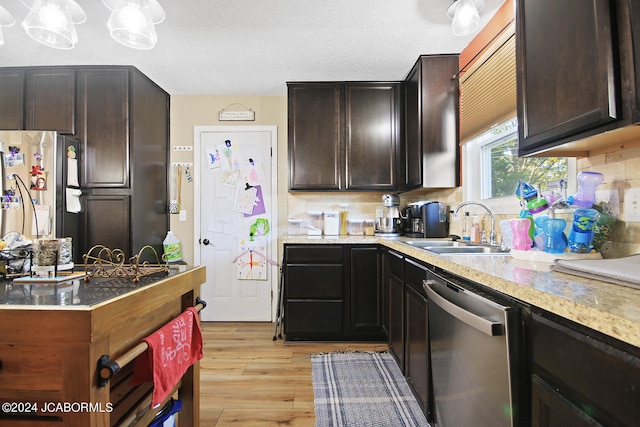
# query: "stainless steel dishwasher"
474 339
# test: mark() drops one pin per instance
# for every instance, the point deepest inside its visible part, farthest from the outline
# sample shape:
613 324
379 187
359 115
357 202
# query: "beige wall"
621 187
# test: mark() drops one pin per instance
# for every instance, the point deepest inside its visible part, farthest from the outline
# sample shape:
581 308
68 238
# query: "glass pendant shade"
466 18
132 23
52 23
6 20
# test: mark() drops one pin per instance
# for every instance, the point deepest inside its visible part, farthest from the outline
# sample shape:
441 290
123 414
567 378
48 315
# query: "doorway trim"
197 132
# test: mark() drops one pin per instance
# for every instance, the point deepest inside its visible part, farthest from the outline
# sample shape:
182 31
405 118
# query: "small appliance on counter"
388 221
414 225
427 219
435 217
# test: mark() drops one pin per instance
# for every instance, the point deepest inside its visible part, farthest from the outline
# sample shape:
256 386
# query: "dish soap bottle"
466 227
475 230
172 248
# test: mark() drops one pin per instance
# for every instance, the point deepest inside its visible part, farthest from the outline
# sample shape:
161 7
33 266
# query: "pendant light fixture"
52 22
465 16
6 20
132 22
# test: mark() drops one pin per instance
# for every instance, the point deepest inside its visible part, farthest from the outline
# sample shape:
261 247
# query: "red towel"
172 349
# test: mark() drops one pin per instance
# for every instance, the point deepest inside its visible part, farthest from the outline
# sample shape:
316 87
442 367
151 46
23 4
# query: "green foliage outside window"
505 168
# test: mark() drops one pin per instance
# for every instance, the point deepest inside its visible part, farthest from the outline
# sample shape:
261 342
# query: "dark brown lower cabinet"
365 291
581 377
332 292
407 324
417 368
550 408
394 287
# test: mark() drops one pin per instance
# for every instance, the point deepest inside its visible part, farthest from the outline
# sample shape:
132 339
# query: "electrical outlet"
631 205
182 148
183 215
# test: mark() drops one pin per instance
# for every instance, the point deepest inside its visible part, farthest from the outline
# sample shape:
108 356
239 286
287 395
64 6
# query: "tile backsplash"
619 192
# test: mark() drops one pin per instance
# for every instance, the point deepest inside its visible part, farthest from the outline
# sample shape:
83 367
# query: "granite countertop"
75 294
609 308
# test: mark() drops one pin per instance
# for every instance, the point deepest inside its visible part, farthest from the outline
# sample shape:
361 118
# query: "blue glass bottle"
581 234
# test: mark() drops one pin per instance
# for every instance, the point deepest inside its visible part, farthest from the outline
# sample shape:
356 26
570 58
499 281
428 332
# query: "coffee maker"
388 221
435 219
414 226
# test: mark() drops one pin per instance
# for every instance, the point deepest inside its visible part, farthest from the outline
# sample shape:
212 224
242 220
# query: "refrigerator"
40 187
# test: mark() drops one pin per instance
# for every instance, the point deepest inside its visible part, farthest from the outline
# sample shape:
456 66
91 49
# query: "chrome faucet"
492 234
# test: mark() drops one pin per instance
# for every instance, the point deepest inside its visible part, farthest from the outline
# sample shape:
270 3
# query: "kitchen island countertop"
608 308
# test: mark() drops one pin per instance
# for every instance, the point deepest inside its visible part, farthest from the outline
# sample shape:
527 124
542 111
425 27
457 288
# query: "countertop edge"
625 329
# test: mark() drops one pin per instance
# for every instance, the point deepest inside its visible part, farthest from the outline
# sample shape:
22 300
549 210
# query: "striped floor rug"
362 389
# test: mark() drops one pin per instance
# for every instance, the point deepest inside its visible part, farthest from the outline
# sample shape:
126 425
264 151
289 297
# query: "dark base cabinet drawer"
313 319
601 379
313 253
314 281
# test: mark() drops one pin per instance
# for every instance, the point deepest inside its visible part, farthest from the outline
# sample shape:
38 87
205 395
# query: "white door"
235 220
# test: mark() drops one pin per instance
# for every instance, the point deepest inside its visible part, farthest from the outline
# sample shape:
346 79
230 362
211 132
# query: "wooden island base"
49 357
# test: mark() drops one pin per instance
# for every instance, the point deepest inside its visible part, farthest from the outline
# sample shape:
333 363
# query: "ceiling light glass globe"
131 24
49 22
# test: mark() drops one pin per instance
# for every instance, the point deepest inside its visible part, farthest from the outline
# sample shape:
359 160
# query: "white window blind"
488 88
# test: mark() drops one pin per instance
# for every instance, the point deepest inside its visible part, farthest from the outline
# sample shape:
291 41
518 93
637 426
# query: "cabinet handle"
482 324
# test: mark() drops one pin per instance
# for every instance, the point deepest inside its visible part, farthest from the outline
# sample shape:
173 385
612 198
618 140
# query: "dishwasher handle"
486 326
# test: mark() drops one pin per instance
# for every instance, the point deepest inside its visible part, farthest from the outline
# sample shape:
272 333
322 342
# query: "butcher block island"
50 354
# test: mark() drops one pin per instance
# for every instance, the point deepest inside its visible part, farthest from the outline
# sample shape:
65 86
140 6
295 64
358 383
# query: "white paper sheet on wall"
72 173
73 200
42 220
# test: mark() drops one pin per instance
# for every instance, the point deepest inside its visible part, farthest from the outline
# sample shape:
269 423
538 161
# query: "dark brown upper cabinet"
11 99
123 127
39 98
316 134
372 136
343 136
51 100
578 75
432 123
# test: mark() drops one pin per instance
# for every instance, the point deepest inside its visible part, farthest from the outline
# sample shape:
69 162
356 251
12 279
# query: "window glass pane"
502 168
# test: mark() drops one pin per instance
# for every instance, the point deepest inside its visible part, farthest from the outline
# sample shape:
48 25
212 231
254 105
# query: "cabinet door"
315 136
412 135
440 121
567 79
51 99
634 11
396 319
365 307
105 221
432 152
372 135
550 409
103 123
417 367
12 99
596 374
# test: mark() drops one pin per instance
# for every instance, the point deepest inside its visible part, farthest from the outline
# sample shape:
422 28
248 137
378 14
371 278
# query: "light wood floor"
247 379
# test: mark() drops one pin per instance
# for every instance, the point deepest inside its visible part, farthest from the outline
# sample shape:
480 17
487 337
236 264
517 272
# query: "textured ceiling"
253 47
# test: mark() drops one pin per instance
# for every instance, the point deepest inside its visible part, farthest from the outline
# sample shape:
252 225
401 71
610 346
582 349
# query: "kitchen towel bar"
108 367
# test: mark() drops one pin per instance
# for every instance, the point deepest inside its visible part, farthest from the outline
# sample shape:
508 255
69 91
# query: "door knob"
205 242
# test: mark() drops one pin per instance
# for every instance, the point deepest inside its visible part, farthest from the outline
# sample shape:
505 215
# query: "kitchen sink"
435 243
468 250
451 247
